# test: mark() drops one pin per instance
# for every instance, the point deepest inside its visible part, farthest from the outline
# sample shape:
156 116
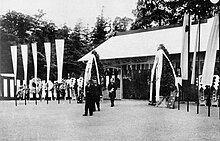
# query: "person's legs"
91 109
98 105
86 110
112 101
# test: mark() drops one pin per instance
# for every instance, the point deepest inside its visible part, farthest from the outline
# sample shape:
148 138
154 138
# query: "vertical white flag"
24 51
194 56
97 69
59 50
157 70
34 51
210 56
14 61
47 47
184 50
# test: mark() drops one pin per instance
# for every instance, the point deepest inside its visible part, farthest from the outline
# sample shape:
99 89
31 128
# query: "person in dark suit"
97 94
89 99
112 91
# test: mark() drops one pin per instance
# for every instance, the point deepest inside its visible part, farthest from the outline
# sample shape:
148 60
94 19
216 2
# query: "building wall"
136 73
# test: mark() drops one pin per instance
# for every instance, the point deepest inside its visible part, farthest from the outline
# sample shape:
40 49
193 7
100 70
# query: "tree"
121 24
17 27
160 12
99 33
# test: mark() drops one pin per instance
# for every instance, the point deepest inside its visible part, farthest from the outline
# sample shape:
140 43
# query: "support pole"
47 93
35 93
219 60
25 101
199 22
188 61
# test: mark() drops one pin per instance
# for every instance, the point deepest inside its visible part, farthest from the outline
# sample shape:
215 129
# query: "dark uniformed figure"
89 99
97 94
112 91
207 93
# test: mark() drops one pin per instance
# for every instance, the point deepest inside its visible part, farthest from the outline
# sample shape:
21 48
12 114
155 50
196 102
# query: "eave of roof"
146 43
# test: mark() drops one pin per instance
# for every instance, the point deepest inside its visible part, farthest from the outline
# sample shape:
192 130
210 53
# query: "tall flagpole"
24 51
188 59
34 51
48 56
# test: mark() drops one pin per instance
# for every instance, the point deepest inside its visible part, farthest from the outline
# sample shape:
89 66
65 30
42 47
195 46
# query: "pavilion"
129 56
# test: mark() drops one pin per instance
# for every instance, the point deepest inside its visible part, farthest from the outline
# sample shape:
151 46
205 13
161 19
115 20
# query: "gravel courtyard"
129 120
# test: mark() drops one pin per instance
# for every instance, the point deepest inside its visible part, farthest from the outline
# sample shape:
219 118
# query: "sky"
70 12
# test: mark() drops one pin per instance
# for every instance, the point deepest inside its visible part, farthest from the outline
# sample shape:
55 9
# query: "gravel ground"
129 120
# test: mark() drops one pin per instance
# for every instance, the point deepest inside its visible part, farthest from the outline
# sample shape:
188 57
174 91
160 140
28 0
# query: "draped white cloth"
184 50
194 56
34 51
210 56
157 68
88 70
24 51
47 47
14 61
59 50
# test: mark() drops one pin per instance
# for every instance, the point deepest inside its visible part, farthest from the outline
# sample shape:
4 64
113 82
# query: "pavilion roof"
146 43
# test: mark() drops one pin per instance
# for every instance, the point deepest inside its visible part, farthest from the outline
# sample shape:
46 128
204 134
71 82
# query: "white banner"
97 69
185 50
157 68
210 56
87 74
24 51
88 70
34 51
59 50
47 47
14 61
194 56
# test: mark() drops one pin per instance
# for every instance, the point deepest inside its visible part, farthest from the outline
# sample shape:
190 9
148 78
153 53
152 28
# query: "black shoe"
85 115
112 105
90 114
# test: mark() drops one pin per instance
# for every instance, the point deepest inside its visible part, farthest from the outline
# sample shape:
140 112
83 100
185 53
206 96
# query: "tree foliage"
150 13
17 28
99 33
121 24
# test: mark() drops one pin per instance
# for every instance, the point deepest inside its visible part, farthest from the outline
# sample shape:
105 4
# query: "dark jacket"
89 93
113 93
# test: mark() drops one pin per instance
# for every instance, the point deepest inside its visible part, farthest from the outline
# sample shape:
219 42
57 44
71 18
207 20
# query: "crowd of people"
71 88
37 89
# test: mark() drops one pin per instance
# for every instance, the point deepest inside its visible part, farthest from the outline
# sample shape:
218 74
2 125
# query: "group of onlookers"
70 88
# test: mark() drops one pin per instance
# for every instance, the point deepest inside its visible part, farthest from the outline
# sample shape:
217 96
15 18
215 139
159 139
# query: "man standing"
112 91
89 102
97 94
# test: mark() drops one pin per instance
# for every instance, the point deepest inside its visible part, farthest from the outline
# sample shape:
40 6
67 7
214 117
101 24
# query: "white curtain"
210 56
34 51
24 51
47 47
194 56
88 70
184 50
157 68
59 50
14 61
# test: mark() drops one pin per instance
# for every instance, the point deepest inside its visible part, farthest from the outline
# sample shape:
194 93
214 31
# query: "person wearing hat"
112 91
97 94
89 99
